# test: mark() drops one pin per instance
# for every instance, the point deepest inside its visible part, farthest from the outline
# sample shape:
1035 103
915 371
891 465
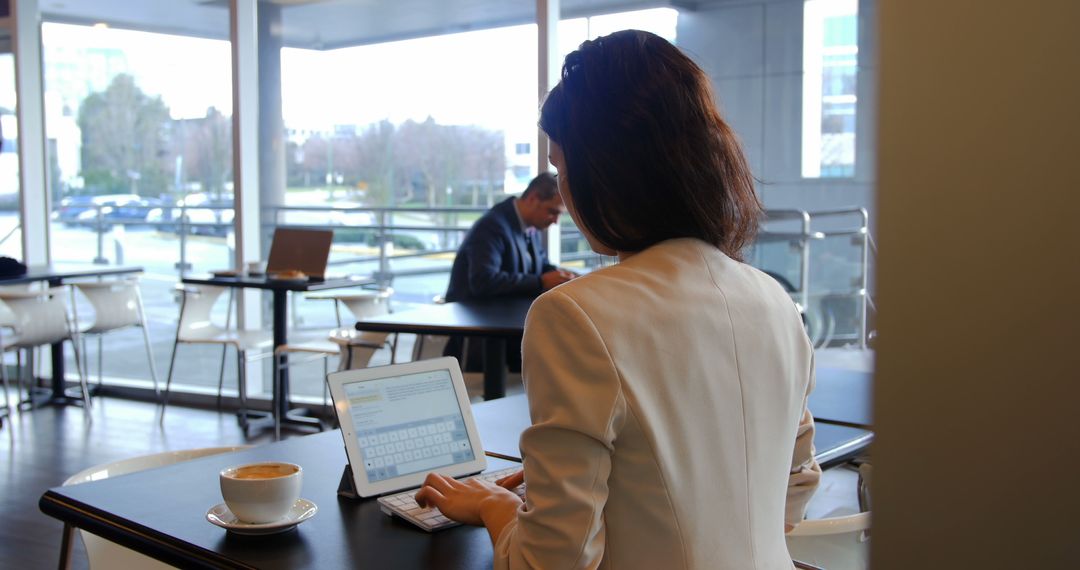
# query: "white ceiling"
326 24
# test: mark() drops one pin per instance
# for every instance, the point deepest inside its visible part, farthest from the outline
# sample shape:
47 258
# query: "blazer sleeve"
577 408
805 471
488 276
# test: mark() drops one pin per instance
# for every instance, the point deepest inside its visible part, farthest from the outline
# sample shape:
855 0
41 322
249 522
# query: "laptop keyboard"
431 519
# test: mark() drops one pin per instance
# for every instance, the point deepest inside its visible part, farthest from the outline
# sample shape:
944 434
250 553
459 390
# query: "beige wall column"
978 383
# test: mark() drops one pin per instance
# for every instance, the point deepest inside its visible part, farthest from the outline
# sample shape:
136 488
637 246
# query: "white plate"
220 515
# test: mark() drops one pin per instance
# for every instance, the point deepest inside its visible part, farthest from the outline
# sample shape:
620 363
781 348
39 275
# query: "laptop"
300 250
403 421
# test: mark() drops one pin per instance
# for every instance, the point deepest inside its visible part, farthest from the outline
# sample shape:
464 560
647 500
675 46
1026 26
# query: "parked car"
82 211
201 214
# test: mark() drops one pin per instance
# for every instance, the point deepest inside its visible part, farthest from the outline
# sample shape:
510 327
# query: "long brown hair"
648 157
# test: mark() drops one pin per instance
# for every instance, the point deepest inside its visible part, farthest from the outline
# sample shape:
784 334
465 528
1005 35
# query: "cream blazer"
670 429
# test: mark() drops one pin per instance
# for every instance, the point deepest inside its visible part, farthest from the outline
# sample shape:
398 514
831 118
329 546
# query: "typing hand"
466 501
555 277
512 481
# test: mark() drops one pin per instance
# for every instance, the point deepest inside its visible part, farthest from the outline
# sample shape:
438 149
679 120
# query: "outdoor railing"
392 235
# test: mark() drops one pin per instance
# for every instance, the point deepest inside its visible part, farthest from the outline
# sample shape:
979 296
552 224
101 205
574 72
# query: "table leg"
56 394
281 396
301 418
494 368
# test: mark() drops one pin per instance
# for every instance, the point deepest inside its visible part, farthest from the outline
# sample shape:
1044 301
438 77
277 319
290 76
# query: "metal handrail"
384 230
11 233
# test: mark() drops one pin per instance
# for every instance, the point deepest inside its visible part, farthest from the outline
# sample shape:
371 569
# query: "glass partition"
10 236
137 107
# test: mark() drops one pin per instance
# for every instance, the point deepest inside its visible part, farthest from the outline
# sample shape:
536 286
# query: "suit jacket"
670 429
494 258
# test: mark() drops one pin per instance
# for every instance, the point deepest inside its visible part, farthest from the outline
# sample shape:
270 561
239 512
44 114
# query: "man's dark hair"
648 157
544 186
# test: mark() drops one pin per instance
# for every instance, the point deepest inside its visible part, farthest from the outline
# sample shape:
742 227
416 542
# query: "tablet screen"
408 424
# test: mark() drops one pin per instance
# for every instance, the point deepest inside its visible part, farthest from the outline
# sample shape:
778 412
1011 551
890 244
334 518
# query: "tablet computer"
403 421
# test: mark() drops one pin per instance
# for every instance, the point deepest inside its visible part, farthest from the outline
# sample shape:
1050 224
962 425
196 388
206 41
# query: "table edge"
136 537
507 332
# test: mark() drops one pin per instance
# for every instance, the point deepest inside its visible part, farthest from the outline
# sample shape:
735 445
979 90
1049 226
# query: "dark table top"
263 282
493 318
161 512
843 397
502 421
64 271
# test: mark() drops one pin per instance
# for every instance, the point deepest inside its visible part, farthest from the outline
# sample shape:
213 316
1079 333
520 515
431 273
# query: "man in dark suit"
503 254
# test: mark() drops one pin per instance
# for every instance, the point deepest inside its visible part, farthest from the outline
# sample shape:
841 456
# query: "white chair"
117 305
40 318
106 554
7 329
838 543
353 348
196 327
434 345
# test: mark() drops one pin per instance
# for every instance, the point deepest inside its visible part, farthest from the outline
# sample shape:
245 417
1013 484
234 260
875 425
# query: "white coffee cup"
256 267
261 492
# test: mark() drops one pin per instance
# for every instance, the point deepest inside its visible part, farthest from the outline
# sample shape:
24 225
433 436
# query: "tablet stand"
346 488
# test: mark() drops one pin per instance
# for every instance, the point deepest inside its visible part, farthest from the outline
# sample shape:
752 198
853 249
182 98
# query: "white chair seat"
838 543
312 345
103 553
242 340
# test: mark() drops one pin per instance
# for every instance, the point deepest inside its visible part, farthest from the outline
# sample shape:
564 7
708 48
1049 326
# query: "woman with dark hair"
668 392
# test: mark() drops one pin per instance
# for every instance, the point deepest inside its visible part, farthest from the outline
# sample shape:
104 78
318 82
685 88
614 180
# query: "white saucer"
220 515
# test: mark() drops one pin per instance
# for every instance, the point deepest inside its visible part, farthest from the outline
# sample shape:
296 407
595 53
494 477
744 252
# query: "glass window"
140 147
10 236
830 63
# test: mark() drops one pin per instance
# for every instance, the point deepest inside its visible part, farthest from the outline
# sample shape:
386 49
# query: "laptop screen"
306 251
407 424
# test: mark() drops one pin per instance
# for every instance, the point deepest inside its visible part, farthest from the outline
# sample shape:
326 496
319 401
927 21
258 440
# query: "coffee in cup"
261 492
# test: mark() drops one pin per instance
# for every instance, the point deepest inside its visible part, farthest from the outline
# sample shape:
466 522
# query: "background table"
56 275
502 421
843 397
495 320
280 289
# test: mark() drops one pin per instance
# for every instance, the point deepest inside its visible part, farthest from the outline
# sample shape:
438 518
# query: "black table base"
297 419
40 397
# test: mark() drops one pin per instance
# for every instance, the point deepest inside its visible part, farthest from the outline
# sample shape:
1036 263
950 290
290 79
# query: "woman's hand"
512 481
471 501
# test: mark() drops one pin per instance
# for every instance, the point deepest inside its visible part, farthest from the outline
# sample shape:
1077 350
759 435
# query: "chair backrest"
115 303
40 317
106 554
196 306
838 543
367 304
429 346
7 318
